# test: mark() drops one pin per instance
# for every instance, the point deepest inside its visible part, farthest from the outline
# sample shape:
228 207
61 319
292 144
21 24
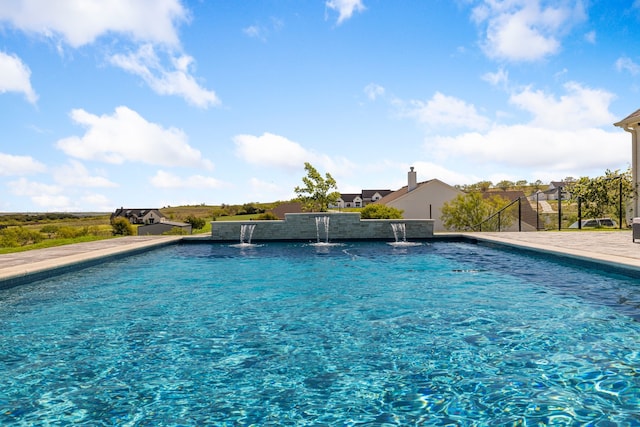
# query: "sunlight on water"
294 334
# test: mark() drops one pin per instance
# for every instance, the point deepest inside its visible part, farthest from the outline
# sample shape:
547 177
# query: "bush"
196 223
71 232
375 211
122 227
268 216
18 236
50 230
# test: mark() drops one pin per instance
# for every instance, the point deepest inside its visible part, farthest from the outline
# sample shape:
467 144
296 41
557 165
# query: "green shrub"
268 216
18 236
196 223
122 227
375 211
50 230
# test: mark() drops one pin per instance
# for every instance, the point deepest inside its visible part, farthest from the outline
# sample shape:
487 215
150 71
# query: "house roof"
349 197
367 194
631 119
284 208
401 192
136 212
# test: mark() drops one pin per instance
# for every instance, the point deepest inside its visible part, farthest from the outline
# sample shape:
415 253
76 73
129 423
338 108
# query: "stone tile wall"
302 226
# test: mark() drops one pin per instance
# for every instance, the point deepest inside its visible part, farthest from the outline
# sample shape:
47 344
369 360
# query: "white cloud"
271 150
445 111
262 31
530 146
174 79
345 8
81 22
430 170
254 31
260 190
499 78
75 174
373 91
47 196
11 165
98 202
626 64
15 76
580 107
590 37
126 136
164 179
525 30
565 134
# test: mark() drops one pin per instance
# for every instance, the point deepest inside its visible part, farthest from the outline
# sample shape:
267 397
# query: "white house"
422 200
359 200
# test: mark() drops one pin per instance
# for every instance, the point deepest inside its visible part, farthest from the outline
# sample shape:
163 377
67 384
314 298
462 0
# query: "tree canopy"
600 196
316 194
468 211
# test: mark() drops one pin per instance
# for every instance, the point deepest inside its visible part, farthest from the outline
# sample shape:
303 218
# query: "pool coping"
60 260
39 264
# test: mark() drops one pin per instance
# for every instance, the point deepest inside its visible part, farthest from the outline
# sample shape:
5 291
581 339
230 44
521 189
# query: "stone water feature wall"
302 226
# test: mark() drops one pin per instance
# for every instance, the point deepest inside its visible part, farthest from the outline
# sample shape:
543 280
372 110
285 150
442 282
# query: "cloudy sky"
150 103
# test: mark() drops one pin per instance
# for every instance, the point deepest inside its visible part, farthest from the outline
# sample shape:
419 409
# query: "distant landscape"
34 230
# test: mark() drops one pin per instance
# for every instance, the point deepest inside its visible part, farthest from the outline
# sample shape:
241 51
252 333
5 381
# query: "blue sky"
154 103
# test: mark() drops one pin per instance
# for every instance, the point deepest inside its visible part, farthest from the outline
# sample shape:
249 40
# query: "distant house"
349 200
359 200
162 227
139 216
420 200
551 193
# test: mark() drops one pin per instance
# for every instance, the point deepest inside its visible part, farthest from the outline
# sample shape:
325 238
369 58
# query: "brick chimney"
412 180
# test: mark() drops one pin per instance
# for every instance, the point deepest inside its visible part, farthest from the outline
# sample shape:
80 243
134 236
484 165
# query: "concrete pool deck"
604 247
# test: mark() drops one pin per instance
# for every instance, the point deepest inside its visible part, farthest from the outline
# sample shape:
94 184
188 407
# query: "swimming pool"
292 334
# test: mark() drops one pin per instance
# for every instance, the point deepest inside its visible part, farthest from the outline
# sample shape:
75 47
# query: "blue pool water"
292 334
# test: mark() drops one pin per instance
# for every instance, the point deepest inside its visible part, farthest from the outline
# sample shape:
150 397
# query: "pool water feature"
287 334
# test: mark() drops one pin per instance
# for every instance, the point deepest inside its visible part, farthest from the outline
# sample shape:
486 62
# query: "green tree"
122 227
505 184
469 211
481 186
196 223
600 196
316 194
376 211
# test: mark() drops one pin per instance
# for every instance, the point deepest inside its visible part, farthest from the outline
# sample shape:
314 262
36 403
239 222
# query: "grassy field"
21 232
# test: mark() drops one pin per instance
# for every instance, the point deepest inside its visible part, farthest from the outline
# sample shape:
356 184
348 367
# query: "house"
551 193
162 227
349 200
372 196
421 200
139 216
359 200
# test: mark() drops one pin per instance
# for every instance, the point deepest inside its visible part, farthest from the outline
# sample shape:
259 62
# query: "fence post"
559 208
519 214
579 213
